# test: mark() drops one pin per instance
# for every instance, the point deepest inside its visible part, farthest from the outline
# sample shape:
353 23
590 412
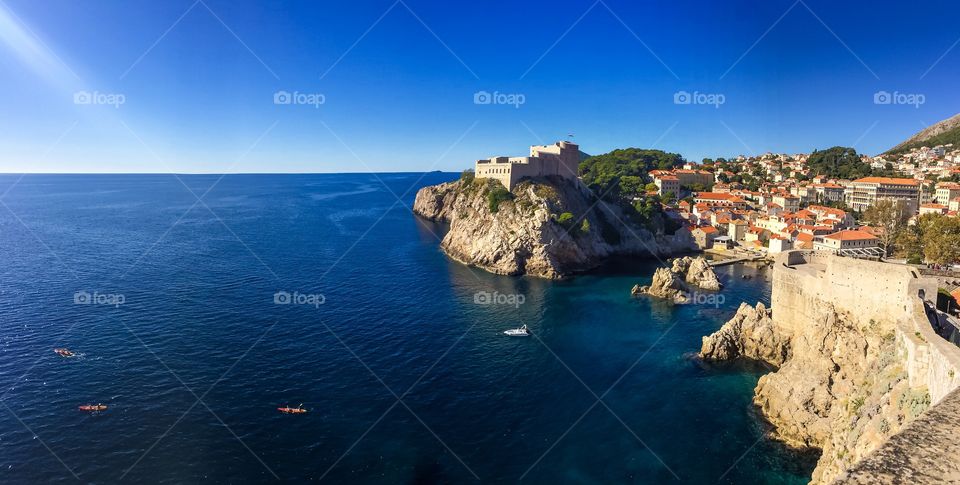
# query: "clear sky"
189 86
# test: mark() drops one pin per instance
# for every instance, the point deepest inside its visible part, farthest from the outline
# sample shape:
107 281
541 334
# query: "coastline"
853 361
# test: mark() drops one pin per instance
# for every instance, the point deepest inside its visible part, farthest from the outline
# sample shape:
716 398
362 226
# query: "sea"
197 305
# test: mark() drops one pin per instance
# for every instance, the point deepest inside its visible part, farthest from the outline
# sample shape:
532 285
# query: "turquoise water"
397 320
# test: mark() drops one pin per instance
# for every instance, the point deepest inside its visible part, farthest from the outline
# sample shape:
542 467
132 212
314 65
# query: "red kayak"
64 353
93 407
289 410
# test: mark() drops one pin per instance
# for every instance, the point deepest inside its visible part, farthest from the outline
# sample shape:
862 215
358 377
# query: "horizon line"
222 173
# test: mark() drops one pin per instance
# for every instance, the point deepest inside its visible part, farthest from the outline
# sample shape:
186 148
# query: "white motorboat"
517 332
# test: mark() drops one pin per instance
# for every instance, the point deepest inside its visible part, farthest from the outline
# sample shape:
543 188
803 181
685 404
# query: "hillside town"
778 202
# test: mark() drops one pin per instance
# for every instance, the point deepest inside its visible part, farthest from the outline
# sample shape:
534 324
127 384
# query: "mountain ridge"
940 133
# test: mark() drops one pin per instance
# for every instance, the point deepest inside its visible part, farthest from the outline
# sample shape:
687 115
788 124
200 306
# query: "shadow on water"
794 461
736 366
428 472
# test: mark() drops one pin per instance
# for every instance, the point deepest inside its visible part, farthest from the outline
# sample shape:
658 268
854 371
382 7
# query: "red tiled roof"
850 236
886 181
718 196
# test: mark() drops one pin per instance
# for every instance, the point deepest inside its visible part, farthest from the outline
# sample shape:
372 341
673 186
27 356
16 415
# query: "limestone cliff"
852 356
524 233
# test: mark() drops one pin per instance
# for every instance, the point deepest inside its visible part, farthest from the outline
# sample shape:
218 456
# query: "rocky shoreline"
847 376
524 233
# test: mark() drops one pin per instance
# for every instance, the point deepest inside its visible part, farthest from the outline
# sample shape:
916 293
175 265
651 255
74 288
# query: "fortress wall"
805 283
931 360
866 290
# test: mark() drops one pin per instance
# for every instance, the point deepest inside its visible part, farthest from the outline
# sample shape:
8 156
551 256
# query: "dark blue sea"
198 305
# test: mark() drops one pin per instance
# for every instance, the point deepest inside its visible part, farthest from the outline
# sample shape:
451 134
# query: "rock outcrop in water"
675 283
856 359
523 233
666 284
749 334
697 272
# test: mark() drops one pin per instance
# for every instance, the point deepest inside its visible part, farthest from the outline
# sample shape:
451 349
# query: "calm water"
398 319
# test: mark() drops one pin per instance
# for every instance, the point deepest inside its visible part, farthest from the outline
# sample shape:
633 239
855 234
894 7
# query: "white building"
847 242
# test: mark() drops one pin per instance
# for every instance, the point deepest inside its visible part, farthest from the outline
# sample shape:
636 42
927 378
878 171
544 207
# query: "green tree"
844 163
941 239
890 216
632 185
604 173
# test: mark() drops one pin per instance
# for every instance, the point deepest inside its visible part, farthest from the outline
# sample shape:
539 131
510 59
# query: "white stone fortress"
562 159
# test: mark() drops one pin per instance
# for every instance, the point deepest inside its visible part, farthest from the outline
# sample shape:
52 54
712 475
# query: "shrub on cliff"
467 176
497 194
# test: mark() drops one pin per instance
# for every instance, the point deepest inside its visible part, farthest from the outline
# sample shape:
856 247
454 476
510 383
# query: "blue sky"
188 86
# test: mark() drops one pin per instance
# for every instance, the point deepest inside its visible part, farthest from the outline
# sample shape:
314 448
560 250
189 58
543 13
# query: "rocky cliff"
527 232
843 336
